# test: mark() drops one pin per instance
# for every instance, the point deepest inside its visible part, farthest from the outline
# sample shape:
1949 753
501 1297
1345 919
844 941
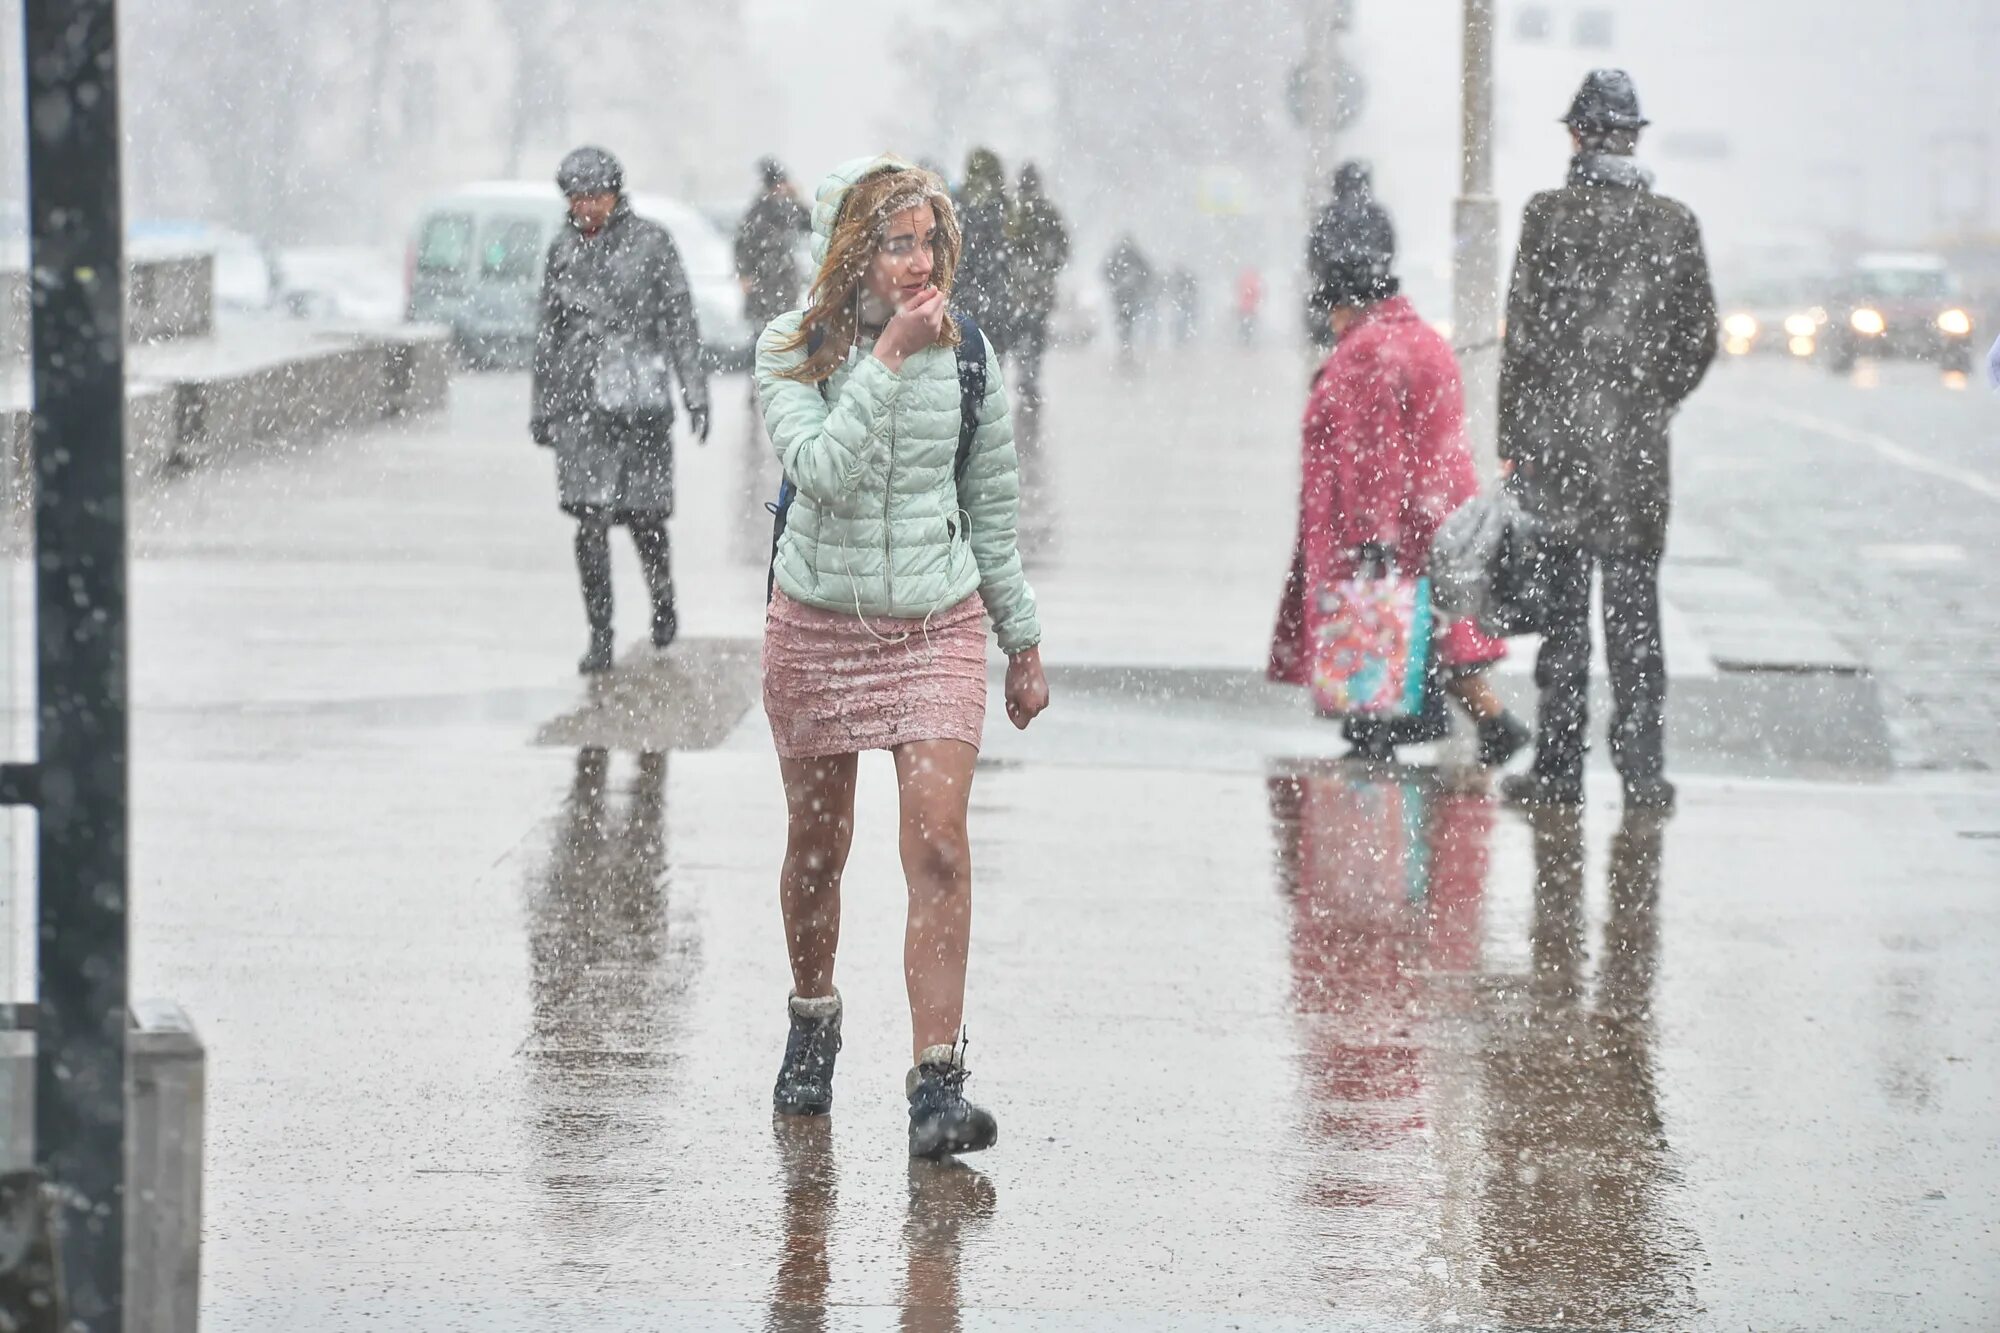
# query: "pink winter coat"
1385 460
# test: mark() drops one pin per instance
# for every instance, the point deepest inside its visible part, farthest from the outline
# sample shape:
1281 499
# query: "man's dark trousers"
1632 649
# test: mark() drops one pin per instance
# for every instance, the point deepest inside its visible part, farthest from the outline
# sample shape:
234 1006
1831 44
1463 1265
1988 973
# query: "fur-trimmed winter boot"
805 1080
942 1122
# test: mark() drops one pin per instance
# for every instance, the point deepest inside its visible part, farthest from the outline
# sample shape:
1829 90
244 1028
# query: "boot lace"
951 1077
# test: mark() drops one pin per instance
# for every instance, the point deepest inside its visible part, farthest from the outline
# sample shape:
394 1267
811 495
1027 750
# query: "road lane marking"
1898 454
1919 554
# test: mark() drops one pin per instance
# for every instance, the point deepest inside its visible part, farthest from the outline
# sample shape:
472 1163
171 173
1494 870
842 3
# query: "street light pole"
1323 20
1476 242
79 780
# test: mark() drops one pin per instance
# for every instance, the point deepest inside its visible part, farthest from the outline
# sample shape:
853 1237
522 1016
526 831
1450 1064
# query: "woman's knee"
937 857
819 835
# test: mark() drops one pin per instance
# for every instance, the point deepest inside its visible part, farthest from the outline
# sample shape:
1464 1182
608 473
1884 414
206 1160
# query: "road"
490 971
1873 499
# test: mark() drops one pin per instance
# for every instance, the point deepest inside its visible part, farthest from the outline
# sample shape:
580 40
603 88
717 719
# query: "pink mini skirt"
837 684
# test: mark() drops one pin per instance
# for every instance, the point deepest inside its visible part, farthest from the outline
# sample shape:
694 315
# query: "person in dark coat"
1184 299
1352 227
981 288
767 248
1610 325
1037 252
1130 278
617 328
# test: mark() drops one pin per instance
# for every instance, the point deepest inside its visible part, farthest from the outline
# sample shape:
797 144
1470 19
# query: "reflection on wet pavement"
606 984
809 1179
1523 1109
1577 1216
948 1201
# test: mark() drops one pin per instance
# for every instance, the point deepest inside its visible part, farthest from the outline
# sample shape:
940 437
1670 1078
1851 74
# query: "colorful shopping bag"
1371 647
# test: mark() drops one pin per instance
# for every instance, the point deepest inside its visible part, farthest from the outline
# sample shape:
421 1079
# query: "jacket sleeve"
1520 367
1319 493
829 450
548 337
990 494
1691 331
679 330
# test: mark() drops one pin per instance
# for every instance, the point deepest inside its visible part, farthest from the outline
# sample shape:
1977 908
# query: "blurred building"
303 122
1836 123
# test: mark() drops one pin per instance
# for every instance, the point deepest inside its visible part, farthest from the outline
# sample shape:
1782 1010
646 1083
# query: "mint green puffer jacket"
880 526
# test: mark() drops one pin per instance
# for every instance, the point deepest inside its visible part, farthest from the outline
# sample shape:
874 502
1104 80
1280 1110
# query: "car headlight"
1802 344
1956 323
1867 322
1801 326
1740 326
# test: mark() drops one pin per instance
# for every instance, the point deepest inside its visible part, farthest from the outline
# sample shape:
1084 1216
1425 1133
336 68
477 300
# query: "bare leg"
935 779
1474 695
819 795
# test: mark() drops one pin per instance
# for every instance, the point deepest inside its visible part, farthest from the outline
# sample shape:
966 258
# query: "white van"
475 264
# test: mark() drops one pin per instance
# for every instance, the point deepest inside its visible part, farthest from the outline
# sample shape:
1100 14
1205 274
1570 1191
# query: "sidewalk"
492 1018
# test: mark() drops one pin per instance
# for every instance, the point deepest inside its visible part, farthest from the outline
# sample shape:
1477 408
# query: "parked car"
475 264
1898 305
246 272
351 283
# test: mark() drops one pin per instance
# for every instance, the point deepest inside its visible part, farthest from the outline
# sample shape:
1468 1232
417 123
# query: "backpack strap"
782 510
971 388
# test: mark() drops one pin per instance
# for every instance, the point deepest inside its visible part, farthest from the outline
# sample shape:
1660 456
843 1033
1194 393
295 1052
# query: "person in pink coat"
1385 463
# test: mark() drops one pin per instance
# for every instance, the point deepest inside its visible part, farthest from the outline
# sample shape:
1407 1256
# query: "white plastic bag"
1462 554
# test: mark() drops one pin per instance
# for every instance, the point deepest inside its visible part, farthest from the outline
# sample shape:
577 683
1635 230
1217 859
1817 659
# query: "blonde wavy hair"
834 303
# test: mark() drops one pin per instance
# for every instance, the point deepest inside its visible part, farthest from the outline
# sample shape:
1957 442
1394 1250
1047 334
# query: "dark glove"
1375 556
543 430
698 422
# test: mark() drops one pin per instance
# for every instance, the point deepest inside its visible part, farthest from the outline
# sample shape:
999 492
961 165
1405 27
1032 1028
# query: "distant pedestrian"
767 248
891 561
982 287
1037 253
1610 325
1249 303
1385 462
1130 278
1352 226
616 329
1184 304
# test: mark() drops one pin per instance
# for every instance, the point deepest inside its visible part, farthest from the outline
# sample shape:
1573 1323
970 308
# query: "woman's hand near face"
918 324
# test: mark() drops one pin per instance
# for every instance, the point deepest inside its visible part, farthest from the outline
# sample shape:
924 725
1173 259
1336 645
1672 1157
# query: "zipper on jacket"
888 503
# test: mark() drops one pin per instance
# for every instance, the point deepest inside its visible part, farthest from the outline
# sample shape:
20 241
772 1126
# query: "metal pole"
77 265
1476 237
1324 20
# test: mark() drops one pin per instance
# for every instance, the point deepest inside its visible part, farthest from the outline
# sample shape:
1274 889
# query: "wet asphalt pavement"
490 969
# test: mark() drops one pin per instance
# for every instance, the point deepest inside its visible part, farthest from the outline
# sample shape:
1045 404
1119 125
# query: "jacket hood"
833 193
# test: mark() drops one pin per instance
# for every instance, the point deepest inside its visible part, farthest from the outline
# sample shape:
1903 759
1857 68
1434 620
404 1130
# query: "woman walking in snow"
898 546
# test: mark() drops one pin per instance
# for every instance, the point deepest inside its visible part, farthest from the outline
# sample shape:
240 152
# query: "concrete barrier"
191 403
302 396
167 296
340 380
166 1095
